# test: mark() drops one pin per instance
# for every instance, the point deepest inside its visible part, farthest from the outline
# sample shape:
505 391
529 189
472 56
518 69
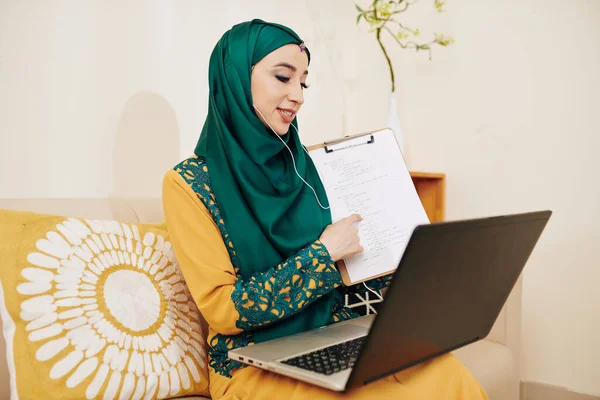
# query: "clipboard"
349 141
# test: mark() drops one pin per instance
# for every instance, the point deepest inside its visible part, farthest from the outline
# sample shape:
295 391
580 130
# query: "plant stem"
387 58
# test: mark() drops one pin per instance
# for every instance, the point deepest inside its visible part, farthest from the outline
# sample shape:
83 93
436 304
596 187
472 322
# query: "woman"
249 221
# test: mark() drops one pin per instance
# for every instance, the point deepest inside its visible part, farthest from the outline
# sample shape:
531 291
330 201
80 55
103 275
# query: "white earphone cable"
372 291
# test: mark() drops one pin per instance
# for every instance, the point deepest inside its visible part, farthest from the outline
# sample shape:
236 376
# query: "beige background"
99 98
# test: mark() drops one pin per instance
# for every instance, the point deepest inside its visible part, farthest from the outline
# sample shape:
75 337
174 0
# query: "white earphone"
293 160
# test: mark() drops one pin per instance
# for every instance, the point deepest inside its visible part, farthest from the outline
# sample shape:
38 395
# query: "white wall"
99 98
510 113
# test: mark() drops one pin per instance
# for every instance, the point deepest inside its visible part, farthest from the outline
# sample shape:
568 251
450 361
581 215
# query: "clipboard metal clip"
350 140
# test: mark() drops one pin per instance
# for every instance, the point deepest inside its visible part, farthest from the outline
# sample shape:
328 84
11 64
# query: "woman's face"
277 83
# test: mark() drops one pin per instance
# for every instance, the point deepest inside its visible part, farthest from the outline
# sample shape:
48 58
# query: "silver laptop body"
269 355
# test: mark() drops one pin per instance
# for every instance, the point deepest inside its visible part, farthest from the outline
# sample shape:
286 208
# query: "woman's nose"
297 94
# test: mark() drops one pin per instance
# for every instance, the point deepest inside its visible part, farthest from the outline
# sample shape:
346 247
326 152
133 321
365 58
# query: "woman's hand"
341 239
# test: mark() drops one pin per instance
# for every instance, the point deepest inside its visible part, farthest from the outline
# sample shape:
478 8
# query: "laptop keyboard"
331 359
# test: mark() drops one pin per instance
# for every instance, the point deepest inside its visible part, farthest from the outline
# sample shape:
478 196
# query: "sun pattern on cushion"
109 307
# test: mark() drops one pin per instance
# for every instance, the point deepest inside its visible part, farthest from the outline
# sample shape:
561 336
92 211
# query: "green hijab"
269 213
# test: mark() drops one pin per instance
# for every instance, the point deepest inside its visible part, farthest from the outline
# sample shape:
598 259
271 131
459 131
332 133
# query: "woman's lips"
285 117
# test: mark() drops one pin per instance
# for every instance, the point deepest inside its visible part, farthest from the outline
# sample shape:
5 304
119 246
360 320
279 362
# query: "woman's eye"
285 79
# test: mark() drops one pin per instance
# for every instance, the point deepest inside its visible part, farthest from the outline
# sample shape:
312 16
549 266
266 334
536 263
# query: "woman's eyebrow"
290 66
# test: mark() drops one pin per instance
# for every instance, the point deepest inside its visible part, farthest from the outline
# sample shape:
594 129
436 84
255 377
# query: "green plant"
383 13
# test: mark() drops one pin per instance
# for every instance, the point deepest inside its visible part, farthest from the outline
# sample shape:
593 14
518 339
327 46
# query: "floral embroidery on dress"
195 172
219 345
284 290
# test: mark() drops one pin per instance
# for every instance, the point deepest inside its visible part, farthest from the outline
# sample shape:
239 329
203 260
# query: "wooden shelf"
430 187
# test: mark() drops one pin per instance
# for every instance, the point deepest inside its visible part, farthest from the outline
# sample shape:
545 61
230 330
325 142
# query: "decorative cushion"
96 309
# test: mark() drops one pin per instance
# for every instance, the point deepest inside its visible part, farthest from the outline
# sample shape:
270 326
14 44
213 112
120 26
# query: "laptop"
449 288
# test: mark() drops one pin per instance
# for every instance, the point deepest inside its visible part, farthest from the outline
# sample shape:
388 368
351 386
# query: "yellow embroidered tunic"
234 308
